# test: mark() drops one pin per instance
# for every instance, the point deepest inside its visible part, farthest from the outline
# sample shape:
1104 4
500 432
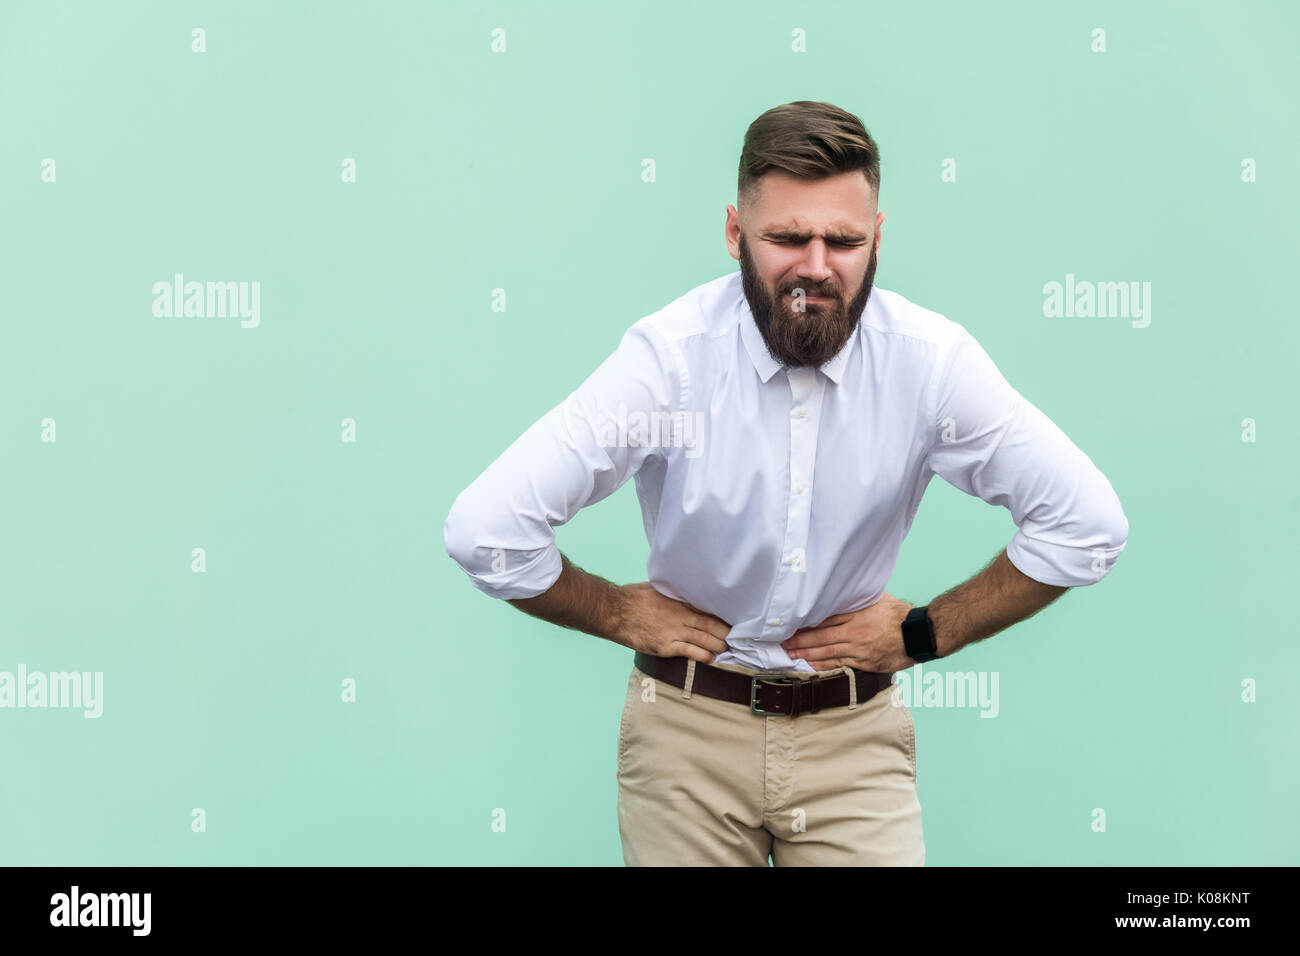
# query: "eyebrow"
833 235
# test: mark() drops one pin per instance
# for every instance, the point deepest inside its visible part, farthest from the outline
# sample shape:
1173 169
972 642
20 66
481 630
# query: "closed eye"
832 242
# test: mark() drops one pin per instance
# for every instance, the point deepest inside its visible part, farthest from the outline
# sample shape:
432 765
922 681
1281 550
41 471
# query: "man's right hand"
661 627
634 615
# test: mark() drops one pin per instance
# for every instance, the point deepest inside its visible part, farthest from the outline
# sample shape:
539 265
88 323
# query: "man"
782 424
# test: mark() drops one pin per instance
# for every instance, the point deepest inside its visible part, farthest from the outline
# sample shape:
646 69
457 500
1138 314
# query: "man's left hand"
870 639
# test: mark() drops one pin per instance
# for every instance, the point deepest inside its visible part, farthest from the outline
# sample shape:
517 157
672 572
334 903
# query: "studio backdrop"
279 280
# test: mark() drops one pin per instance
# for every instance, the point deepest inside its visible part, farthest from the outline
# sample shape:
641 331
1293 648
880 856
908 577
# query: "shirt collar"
766 366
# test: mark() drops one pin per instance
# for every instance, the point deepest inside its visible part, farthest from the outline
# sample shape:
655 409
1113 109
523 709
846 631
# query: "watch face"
918 635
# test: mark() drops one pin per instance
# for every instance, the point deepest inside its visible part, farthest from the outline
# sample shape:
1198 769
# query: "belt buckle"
769 678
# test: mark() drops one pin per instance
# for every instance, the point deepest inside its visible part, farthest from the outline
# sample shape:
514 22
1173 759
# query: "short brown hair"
806 139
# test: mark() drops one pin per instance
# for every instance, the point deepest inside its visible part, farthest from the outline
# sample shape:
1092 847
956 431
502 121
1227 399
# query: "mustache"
813 293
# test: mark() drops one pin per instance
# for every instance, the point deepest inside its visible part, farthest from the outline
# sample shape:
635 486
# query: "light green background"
522 170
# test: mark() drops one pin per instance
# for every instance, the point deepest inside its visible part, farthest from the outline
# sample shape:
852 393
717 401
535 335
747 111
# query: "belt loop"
853 687
690 678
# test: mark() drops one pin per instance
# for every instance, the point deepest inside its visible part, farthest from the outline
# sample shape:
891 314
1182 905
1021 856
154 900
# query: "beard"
804 339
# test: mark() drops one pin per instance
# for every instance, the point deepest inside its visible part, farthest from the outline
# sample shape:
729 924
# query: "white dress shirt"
775 497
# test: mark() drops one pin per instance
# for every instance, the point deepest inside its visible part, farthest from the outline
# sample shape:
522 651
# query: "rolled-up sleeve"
991 442
500 528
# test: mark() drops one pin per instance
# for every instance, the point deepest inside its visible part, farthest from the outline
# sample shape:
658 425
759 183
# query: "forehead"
844 201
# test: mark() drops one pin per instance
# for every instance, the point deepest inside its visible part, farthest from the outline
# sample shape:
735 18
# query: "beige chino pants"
707 782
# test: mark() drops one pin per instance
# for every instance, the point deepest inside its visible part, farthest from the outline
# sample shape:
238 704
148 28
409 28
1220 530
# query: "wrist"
615 618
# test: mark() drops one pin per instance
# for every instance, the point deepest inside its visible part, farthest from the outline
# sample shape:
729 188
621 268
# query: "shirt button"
801 413
775 622
798 489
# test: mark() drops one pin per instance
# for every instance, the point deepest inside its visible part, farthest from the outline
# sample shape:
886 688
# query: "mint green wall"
522 170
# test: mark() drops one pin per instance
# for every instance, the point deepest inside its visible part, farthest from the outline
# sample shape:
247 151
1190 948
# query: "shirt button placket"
805 394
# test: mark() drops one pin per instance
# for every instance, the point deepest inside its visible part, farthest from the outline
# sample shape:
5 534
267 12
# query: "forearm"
577 600
994 599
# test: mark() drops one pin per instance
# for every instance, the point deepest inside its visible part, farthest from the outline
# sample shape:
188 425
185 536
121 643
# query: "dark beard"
810 339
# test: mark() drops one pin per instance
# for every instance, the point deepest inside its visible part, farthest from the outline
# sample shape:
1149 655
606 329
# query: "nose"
814 269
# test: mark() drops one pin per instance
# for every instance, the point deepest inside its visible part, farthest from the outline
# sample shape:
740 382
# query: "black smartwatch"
918 635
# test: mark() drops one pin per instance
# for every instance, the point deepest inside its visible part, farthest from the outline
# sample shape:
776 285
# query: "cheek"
852 275
785 273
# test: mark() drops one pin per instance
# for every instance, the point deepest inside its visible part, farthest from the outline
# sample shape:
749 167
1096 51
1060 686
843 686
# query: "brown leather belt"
766 693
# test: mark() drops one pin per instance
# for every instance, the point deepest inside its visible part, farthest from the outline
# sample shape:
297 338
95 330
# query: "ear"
731 232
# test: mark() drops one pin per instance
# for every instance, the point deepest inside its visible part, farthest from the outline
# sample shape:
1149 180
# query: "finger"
813 637
710 642
830 622
709 624
693 651
824 652
697 610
